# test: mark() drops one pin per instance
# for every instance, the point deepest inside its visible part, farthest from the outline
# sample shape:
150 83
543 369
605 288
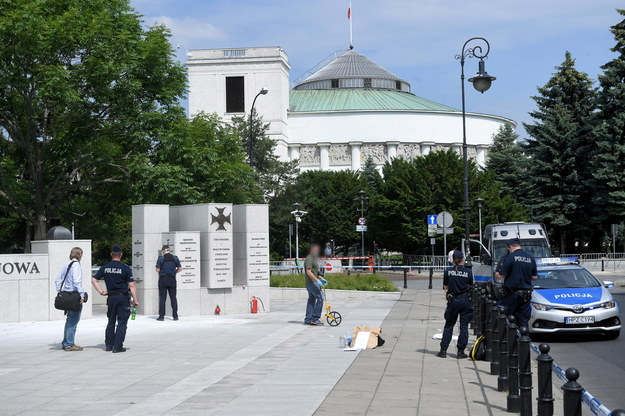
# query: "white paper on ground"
361 341
440 336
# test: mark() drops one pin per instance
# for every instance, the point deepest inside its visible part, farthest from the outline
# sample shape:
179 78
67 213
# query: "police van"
533 237
568 298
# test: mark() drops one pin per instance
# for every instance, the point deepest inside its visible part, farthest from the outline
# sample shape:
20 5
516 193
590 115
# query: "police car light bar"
556 261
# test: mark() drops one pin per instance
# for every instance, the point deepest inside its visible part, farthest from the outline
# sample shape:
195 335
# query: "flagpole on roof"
349 17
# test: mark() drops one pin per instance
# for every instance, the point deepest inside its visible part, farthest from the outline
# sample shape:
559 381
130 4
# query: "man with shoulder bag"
70 297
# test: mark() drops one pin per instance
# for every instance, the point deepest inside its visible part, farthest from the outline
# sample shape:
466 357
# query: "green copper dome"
360 100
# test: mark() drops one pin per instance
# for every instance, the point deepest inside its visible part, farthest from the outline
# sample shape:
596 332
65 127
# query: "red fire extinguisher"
254 304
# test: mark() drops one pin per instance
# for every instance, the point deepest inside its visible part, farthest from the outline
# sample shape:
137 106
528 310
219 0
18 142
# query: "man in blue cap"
119 287
518 270
457 281
167 266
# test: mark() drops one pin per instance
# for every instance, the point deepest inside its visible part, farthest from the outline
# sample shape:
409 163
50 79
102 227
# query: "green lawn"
371 282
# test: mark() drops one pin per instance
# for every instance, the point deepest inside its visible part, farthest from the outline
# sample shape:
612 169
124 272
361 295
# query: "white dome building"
346 112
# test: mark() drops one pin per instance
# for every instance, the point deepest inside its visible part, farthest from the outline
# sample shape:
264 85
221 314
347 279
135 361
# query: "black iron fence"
508 349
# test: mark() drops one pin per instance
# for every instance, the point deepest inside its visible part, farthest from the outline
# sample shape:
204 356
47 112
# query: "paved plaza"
266 364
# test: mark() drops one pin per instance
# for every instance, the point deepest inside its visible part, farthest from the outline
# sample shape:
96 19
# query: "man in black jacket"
167 266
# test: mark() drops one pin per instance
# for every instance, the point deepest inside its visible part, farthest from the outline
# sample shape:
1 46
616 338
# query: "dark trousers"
516 306
167 285
459 306
118 313
315 303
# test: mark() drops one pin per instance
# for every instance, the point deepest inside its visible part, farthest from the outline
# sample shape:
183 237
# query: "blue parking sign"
432 219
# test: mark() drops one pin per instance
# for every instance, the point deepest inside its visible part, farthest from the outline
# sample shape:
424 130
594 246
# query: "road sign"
362 221
361 228
445 231
444 219
433 241
431 219
432 230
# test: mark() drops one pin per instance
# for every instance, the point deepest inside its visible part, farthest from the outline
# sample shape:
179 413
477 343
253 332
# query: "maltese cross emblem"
220 219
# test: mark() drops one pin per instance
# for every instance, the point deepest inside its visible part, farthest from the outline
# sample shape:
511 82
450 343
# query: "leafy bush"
371 282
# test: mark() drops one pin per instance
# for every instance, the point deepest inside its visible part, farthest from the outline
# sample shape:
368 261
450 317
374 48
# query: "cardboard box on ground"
374 333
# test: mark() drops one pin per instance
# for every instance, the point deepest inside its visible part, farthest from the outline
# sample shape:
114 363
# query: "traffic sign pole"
444 236
433 243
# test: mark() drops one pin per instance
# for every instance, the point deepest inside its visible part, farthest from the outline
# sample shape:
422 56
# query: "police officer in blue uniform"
119 287
167 266
457 281
518 270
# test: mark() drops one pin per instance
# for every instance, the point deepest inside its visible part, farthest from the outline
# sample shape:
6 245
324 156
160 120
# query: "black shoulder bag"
67 301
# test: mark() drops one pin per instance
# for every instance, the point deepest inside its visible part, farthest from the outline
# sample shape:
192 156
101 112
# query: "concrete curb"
290 293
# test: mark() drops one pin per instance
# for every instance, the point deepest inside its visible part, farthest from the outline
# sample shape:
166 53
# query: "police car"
568 298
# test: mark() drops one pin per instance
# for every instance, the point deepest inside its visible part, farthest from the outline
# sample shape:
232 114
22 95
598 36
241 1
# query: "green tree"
557 169
430 184
85 86
328 197
554 184
371 174
197 161
506 159
272 173
608 158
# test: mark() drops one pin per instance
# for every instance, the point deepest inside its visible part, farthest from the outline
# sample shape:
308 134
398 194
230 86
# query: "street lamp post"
480 204
263 91
298 214
481 82
364 200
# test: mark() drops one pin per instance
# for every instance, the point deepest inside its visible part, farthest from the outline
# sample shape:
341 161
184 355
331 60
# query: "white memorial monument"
223 249
27 287
251 250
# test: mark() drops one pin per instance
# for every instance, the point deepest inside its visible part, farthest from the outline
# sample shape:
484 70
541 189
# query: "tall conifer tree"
608 158
558 191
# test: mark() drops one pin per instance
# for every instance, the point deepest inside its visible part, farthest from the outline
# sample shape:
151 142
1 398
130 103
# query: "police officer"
457 281
167 266
119 286
518 270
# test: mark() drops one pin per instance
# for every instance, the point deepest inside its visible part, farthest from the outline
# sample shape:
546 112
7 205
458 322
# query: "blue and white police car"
568 298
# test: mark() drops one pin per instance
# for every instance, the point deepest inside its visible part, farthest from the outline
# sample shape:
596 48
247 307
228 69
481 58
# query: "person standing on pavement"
450 256
457 281
518 270
167 266
313 285
119 287
69 279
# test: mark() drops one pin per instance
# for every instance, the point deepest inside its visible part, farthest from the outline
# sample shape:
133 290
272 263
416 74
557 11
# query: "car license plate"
572 320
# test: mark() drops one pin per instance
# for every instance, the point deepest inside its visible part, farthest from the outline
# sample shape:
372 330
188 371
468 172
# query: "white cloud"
188 28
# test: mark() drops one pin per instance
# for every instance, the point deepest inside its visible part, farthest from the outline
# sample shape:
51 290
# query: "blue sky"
415 39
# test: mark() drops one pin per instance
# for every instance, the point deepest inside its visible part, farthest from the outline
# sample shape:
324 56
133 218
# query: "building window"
367 83
398 85
234 53
235 95
335 83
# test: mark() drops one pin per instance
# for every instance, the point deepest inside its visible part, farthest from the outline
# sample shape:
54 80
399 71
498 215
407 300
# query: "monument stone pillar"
149 222
58 255
214 224
186 246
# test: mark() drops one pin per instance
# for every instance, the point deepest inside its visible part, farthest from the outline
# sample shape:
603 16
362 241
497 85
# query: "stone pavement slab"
404 377
209 365
266 364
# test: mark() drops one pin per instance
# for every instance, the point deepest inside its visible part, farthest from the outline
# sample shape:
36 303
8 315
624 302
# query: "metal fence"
600 261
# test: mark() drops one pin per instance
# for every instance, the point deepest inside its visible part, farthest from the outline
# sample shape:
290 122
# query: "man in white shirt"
450 256
71 272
